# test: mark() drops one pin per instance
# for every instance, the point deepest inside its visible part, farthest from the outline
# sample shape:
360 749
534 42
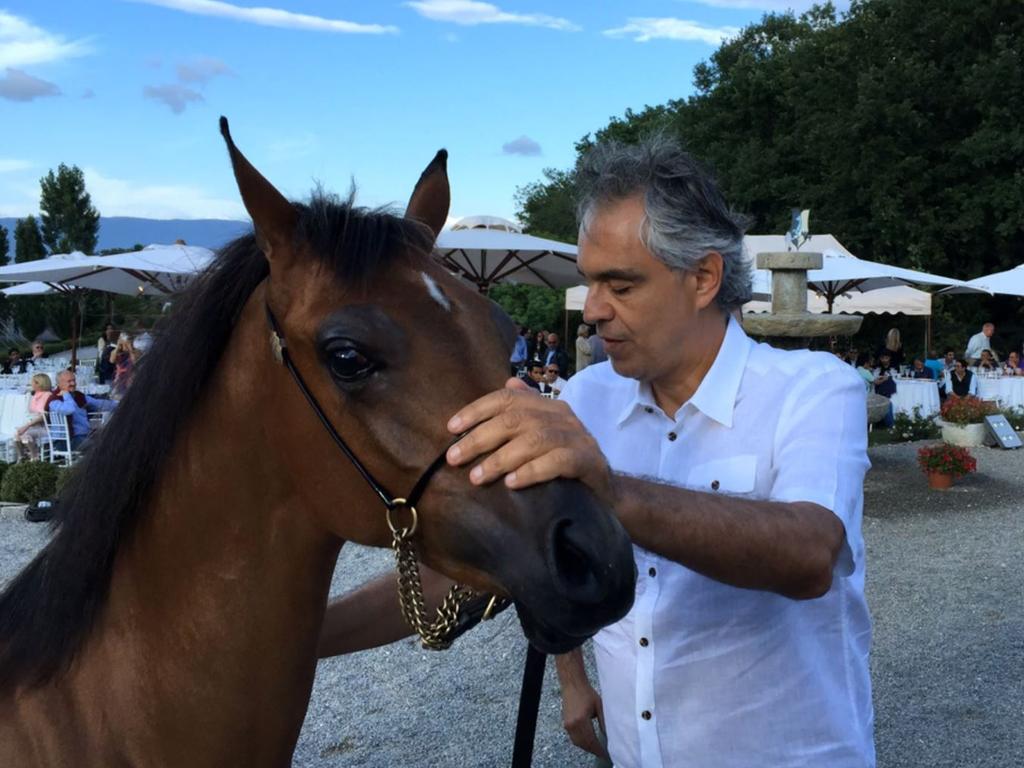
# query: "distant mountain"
124 232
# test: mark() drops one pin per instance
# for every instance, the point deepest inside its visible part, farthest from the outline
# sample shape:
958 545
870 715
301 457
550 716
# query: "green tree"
533 306
28 242
5 246
70 222
548 208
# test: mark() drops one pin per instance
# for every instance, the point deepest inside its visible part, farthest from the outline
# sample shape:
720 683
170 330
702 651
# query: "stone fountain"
789 325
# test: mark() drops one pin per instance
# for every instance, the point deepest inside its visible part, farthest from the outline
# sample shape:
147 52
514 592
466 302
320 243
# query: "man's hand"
533 439
581 705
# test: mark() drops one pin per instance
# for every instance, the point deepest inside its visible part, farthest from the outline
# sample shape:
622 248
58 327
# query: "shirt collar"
716 396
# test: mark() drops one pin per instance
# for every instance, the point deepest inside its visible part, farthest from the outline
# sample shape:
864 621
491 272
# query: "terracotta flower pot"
940 481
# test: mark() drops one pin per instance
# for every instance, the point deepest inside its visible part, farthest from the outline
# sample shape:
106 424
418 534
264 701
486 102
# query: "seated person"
38 354
1013 365
75 405
920 370
553 378
32 432
885 384
14 363
961 382
865 365
949 360
988 362
535 374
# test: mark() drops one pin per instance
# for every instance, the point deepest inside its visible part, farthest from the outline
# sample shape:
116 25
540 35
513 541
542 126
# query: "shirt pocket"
735 475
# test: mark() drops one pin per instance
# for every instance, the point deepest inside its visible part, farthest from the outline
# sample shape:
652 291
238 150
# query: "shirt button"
652 572
714 485
646 714
644 642
648 409
672 435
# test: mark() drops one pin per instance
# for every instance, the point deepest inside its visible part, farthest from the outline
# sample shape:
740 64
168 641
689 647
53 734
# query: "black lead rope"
529 705
533 672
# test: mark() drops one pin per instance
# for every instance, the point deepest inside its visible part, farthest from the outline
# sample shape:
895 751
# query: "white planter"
964 435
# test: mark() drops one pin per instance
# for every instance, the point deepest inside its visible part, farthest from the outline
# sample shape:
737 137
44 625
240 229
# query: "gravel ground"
945 586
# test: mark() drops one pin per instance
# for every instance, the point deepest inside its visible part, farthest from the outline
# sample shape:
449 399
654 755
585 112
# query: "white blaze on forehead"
436 293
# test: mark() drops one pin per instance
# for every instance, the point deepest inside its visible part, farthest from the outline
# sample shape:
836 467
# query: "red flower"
946 459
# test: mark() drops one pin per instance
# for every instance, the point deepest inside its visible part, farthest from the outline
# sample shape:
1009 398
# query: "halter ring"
401 503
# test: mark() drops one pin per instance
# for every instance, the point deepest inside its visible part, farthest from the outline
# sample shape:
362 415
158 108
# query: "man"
38 354
1013 365
921 371
14 363
535 375
736 468
949 359
553 378
978 342
518 356
75 405
725 660
104 367
555 354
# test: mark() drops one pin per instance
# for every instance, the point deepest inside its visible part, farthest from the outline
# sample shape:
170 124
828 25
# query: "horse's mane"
47 611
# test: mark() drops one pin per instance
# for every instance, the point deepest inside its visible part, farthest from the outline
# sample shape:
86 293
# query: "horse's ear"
272 215
431 197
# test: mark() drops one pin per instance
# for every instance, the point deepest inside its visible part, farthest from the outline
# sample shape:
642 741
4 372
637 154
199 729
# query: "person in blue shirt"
519 353
76 405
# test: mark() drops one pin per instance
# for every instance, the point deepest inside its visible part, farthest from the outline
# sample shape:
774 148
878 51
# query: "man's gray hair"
685 214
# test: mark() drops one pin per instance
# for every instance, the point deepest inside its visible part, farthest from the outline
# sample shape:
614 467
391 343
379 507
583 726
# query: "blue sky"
330 90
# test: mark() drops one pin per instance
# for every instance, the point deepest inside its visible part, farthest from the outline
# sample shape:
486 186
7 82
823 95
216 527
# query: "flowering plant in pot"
943 463
963 419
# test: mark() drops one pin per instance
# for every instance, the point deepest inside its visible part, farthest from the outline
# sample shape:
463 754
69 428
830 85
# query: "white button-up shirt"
708 675
975 344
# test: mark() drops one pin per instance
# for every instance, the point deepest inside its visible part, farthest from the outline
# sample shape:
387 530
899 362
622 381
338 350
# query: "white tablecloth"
1007 390
919 393
13 412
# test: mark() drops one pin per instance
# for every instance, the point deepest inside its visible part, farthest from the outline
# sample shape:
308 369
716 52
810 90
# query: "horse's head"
391 346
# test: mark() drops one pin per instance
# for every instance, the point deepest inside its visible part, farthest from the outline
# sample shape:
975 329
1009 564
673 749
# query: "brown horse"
172 619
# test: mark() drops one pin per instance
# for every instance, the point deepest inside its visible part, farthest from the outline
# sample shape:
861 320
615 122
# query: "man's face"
918 365
631 291
988 329
950 356
552 341
883 362
14 356
68 383
537 373
551 374
37 349
1012 359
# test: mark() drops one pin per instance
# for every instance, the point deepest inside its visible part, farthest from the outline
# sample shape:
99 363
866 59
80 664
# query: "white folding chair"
58 439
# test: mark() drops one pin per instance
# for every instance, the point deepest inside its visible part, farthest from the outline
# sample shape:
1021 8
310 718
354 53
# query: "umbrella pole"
75 324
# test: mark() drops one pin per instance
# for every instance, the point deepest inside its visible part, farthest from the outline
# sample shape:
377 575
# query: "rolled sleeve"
821 445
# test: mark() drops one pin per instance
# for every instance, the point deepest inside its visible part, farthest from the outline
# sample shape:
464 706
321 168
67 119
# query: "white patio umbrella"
841 272
155 270
489 256
28 289
1008 283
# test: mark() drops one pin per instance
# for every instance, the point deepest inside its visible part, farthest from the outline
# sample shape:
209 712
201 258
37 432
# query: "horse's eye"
349 365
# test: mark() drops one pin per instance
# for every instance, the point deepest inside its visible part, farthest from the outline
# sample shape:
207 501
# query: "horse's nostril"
573 564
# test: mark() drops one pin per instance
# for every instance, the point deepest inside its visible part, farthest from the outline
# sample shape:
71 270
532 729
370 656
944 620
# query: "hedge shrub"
29 482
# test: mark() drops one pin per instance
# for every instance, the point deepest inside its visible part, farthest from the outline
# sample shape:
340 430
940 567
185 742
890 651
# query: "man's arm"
100 404
371 616
581 704
62 404
787 546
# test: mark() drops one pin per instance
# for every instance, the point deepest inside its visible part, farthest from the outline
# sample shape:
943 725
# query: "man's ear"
709 278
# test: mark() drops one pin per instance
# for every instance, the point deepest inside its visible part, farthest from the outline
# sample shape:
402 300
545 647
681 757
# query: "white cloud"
24 44
643 30
270 17
293 148
202 69
124 197
16 85
524 145
469 13
177 97
10 165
